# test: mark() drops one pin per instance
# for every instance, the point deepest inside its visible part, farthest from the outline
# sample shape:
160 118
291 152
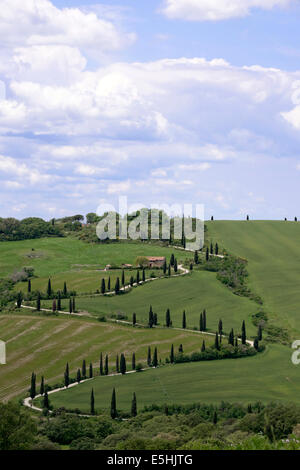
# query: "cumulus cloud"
215 10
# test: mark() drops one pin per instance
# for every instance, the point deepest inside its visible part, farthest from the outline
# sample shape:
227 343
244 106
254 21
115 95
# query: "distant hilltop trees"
32 227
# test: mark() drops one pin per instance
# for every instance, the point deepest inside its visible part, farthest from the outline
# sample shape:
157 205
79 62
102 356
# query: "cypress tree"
134 319
231 337
19 299
184 320
165 267
49 288
155 318
101 364
59 301
149 357
42 386
78 376
215 418
211 249
172 354
207 254
91 371
108 284
244 337
168 318
106 365
259 333
191 267
29 286
123 364
169 270
151 319
236 342
220 327
180 349
117 286
296 219
203 346
155 358
204 320
65 290
117 364
144 275
38 302
175 266
73 304
46 401
54 306
196 257
67 376
172 260
131 281
123 278
113 406
70 306
33 386
137 277
212 218
217 346
217 249
92 402
133 361
201 322
83 369
256 344
133 406
103 286
249 408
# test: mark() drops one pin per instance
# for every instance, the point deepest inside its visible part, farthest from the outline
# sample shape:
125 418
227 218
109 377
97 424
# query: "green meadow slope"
273 251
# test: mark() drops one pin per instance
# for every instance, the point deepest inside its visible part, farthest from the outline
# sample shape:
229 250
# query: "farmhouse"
156 261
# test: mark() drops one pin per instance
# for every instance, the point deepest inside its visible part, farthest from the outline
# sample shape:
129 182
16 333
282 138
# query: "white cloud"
215 10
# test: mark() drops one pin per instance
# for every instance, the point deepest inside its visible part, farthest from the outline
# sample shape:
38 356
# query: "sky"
161 101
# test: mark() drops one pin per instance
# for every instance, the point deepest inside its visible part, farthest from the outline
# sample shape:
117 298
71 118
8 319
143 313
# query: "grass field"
273 251
57 255
44 345
191 293
265 377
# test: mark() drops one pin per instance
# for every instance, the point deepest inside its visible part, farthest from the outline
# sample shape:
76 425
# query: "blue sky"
171 101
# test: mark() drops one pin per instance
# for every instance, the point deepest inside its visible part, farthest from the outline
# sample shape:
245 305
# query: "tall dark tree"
123 277
38 302
236 343
184 320
92 403
42 386
78 376
211 248
172 354
215 418
244 337
260 333
212 218
231 338
217 345
101 365
165 267
155 319
169 270
175 266
117 286
19 299
168 318
207 254
29 286
217 249
149 361
151 317
220 327
108 284
256 344
70 306
91 372
113 406
106 365
33 386
73 304
54 308
137 276
134 319
131 281
191 267
59 300
83 370
49 288
204 320
203 346
144 275
117 364
201 327
172 260
133 365
248 218
155 358
65 290
67 376
103 286
123 364
180 349
196 257
133 406
296 219
46 401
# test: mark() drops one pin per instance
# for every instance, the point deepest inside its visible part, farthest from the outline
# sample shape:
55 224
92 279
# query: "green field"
273 251
265 377
44 345
192 293
57 255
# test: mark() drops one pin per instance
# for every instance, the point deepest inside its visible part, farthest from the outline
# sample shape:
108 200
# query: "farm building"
156 261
